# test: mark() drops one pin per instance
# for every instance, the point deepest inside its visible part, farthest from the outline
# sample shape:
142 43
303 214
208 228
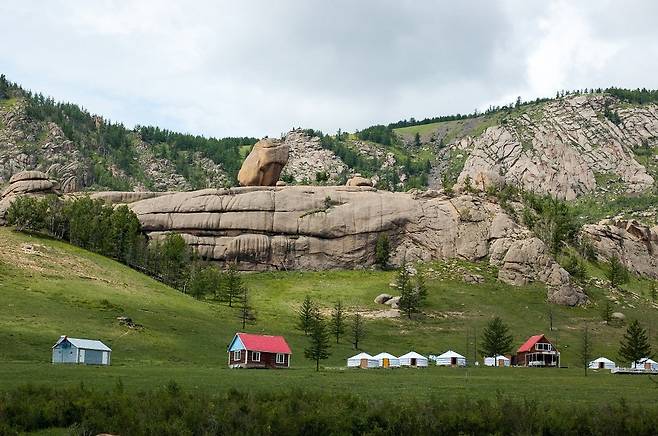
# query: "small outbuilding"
413 359
258 351
83 351
387 360
362 360
602 363
646 364
450 358
500 361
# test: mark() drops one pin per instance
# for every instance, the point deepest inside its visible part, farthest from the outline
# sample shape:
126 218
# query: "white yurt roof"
384 356
361 356
602 359
647 360
451 353
412 355
500 356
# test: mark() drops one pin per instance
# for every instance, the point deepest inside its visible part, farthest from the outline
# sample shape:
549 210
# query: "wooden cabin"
537 351
258 351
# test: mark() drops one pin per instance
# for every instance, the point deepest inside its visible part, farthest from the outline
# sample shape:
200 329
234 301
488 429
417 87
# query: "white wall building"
497 361
413 359
602 363
387 360
362 360
450 358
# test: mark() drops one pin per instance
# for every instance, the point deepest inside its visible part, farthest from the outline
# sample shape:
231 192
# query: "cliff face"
563 147
315 228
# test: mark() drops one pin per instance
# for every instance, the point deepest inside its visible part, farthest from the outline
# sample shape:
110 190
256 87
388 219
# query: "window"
280 358
237 355
543 347
255 356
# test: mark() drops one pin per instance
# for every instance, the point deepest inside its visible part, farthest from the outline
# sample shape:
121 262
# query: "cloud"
260 67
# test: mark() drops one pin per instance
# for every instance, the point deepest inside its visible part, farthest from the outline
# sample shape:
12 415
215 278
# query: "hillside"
50 288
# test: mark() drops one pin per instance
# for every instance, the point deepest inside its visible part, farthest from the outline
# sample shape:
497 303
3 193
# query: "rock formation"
358 180
562 147
314 228
308 159
635 244
33 183
264 164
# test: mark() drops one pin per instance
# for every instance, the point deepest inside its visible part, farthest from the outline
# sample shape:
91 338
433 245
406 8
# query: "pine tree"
617 272
496 339
417 140
306 314
606 313
246 310
654 292
233 286
585 349
407 303
382 251
337 323
318 348
358 331
635 344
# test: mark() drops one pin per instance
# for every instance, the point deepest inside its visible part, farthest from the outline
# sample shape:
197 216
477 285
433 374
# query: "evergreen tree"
204 281
358 331
496 339
233 286
413 291
382 251
654 292
606 313
585 349
635 344
306 314
124 232
617 272
417 140
337 323
246 310
27 214
318 348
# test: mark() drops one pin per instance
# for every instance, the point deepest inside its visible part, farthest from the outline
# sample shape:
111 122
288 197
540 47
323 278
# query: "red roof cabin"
258 351
537 351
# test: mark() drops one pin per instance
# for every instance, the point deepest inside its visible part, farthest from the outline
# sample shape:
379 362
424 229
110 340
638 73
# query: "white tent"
413 359
362 360
496 361
387 360
602 363
646 364
450 358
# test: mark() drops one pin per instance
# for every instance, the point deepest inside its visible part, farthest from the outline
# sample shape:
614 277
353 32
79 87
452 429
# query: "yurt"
362 360
450 358
646 364
602 363
413 359
387 360
501 361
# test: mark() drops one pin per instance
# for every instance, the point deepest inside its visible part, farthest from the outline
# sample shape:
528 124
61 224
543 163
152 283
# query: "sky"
261 67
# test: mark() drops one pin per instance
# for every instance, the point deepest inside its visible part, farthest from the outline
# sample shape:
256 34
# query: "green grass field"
54 288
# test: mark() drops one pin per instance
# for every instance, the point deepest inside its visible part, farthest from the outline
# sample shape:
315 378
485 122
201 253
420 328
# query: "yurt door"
647 365
601 365
501 362
453 361
364 363
413 361
385 363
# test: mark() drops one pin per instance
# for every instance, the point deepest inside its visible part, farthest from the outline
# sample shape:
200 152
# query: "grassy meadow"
49 288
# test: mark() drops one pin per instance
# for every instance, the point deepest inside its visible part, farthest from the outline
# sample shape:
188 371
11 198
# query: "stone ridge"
317 228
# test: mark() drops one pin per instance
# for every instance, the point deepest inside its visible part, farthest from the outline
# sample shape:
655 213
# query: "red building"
258 351
537 351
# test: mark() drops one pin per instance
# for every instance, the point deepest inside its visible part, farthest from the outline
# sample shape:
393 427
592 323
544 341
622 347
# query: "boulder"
393 302
382 298
263 165
473 278
618 316
33 183
358 180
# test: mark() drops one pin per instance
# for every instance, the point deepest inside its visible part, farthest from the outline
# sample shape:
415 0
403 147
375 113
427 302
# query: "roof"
527 345
85 344
451 353
361 356
412 355
264 343
499 357
647 360
602 359
385 356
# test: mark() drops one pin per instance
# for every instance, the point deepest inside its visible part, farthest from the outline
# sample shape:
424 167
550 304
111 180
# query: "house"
646 364
386 360
537 351
450 358
85 351
500 361
602 363
362 360
413 360
258 351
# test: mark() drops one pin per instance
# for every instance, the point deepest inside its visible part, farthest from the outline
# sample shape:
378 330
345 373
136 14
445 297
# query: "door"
413 362
501 362
647 365
364 363
453 361
385 363
601 365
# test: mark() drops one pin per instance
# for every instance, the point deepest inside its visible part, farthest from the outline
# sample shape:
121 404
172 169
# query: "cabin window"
255 356
280 358
237 355
543 347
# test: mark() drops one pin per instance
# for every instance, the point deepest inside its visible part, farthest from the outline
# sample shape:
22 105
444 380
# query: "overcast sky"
227 68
